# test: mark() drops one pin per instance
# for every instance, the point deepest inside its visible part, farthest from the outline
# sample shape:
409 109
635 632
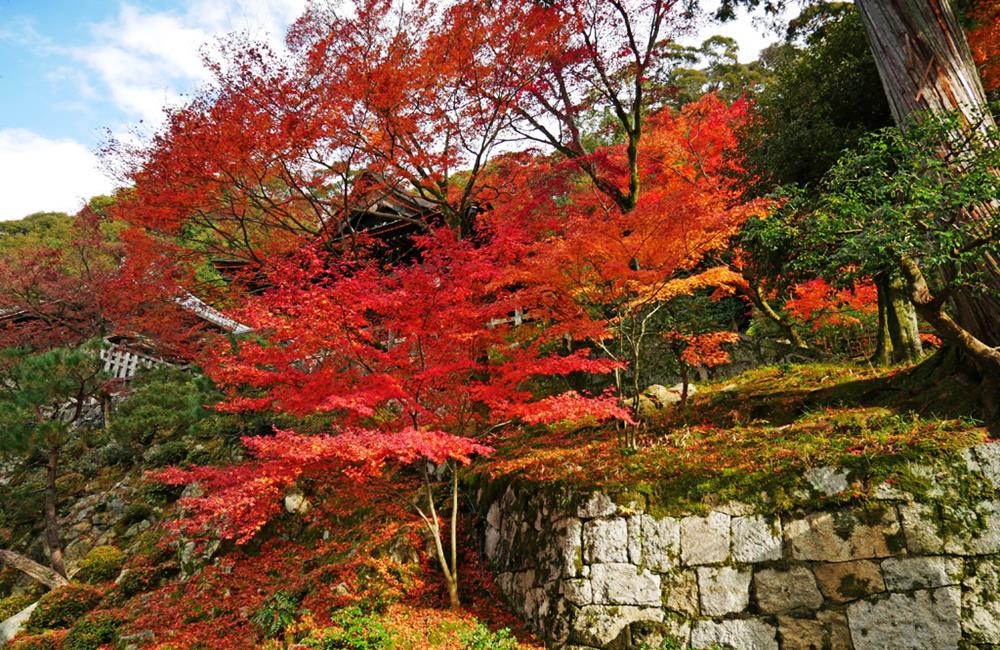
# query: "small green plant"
275 614
352 629
61 607
93 631
101 564
481 638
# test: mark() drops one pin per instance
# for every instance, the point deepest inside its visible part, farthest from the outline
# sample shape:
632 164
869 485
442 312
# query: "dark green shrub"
101 564
169 453
13 604
93 631
275 614
135 512
138 579
61 607
159 494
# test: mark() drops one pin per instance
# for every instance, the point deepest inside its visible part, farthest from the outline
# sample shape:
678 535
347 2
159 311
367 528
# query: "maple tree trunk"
52 515
757 299
925 64
448 568
32 569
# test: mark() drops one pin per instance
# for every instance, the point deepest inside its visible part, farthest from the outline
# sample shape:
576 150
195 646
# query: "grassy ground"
749 438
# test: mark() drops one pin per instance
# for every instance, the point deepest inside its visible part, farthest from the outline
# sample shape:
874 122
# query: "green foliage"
351 629
824 96
13 604
904 194
169 453
61 607
163 404
481 638
49 229
39 392
93 631
687 72
101 564
275 614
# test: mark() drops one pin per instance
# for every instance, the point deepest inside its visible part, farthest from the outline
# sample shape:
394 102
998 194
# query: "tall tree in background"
926 67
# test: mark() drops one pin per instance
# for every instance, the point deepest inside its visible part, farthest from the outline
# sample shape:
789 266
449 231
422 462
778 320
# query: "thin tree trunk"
904 330
883 341
752 292
32 569
925 64
52 515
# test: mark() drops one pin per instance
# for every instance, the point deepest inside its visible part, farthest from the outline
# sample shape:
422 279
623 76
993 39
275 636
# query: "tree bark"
32 569
925 64
984 356
898 330
51 514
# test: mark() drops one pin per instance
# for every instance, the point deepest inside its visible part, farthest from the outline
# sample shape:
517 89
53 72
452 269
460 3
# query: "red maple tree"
411 365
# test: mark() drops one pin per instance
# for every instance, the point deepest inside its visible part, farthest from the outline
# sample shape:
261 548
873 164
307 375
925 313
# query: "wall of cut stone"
901 569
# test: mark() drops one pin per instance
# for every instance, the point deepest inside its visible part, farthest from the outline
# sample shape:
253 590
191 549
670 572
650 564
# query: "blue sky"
71 71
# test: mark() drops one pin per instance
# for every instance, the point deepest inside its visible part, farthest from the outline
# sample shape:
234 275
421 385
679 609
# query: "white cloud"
147 59
38 173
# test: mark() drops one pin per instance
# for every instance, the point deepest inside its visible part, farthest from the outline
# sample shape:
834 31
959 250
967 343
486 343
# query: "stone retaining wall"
898 570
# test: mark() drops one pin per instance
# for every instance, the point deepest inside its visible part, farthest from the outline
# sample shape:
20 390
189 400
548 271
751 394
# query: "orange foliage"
984 40
816 302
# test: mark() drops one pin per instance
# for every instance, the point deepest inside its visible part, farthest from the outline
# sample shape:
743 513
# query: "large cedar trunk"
925 65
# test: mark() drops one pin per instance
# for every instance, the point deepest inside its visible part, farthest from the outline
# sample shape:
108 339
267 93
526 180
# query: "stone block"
680 592
624 584
597 504
577 591
599 625
605 540
846 581
755 539
988 457
828 630
739 634
981 602
569 546
671 633
919 528
978 540
634 525
908 573
705 540
923 620
844 535
661 542
723 590
827 480
782 591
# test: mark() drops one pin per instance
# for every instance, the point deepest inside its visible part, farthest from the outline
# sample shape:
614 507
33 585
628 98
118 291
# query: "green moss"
13 604
101 564
852 587
93 631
